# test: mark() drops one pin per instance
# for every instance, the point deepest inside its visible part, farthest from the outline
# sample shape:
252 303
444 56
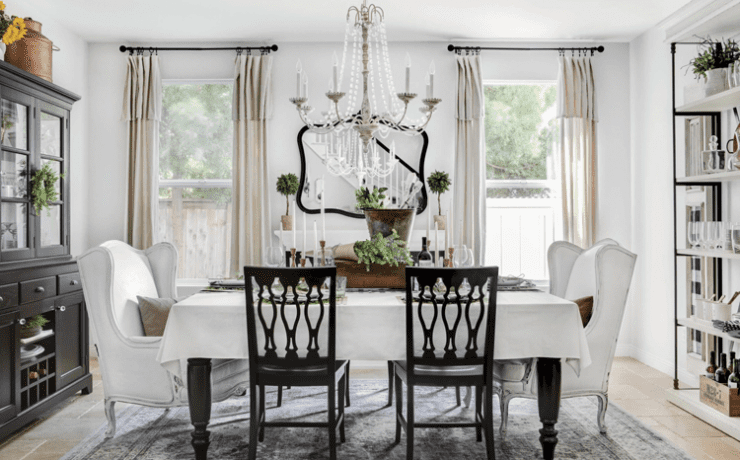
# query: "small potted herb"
710 65
287 185
439 182
380 250
33 327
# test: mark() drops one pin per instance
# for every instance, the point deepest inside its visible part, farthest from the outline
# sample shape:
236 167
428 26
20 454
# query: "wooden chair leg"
478 411
280 396
263 414
346 377
457 396
391 373
254 422
488 422
332 395
342 389
399 406
409 422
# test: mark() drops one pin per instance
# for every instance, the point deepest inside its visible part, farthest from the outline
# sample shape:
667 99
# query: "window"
523 212
196 144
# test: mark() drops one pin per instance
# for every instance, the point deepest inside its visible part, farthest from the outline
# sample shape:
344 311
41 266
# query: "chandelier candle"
298 81
431 80
335 71
408 73
315 244
323 212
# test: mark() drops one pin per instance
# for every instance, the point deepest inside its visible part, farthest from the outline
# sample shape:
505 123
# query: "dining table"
371 326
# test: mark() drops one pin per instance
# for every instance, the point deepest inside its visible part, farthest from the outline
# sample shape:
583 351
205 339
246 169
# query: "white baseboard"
657 362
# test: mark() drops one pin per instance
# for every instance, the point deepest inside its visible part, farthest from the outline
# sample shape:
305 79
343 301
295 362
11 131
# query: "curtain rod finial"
600 49
274 47
122 48
451 48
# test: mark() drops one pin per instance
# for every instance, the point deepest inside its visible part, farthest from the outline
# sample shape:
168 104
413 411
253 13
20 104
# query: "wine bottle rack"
37 380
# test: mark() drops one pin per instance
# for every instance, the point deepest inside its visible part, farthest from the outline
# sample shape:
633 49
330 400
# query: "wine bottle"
712 368
734 380
425 258
721 374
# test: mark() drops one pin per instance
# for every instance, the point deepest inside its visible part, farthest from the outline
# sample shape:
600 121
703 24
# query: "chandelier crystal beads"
373 106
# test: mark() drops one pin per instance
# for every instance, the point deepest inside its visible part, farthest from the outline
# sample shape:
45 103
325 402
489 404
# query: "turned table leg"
199 399
548 399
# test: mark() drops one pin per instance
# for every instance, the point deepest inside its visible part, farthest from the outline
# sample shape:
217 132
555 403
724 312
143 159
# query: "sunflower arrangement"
12 28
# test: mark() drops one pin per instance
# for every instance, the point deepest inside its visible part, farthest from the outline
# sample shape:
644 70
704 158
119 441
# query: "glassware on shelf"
736 238
731 76
692 234
471 259
736 73
712 159
701 232
274 256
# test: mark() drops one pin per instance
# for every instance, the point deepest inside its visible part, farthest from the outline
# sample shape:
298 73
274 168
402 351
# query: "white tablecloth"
372 326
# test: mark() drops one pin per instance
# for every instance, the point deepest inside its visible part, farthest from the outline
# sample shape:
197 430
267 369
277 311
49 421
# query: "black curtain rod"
132 49
592 49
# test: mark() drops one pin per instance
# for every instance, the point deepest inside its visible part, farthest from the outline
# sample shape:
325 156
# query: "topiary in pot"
287 185
439 182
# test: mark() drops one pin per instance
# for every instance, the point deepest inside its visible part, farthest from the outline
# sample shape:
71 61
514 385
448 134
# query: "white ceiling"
406 20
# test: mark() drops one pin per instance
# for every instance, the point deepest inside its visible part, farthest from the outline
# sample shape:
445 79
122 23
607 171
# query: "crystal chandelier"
372 107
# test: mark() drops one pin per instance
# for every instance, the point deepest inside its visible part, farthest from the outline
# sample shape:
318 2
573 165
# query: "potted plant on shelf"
439 182
287 184
43 188
382 220
33 327
12 29
710 65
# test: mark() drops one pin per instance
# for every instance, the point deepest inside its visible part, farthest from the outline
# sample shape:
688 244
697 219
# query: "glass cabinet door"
52 139
16 163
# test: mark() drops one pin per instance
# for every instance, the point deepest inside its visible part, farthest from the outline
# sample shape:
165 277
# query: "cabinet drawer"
38 289
69 282
8 295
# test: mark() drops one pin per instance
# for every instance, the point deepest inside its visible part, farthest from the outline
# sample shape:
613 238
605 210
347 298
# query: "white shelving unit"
688 399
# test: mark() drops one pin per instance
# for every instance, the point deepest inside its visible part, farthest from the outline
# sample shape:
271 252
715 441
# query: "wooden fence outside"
199 230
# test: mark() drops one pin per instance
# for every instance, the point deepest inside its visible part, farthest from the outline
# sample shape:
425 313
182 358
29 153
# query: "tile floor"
637 388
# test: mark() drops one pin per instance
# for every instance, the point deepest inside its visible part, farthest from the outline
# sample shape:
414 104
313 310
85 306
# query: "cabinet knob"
39 289
22 321
74 283
62 308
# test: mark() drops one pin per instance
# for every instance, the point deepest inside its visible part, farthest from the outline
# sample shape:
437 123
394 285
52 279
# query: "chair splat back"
294 329
452 314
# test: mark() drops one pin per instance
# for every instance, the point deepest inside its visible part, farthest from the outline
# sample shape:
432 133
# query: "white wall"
69 71
106 71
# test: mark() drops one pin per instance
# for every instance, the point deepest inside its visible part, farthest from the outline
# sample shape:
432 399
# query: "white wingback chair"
603 271
113 274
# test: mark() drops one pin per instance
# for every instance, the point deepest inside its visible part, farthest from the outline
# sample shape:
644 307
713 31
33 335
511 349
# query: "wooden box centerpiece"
379 276
719 397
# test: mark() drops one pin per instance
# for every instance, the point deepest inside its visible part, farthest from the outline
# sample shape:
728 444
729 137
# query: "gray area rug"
153 434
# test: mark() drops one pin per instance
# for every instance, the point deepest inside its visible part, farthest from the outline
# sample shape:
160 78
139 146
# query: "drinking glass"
692 234
718 236
736 238
275 256
341 286
460 256
701 232
731 75
471 259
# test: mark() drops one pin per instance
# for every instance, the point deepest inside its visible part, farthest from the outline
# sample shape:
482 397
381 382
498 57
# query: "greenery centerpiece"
439 182
43 188
287 185
370 200
382 220
33 326
380 250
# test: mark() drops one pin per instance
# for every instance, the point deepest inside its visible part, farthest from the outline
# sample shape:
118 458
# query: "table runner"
372 326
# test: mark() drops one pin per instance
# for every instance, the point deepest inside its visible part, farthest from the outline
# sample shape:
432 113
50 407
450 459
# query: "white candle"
428 88
305 85
447 232
408 73
335 71
323 212
298 79
303 252
450 223
436 243
281 237
429 223
295 224
315 245
431 79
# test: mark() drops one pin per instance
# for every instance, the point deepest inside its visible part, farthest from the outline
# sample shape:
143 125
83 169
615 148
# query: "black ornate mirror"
340 190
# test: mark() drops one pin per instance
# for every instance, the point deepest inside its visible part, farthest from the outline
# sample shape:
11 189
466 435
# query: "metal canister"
32 53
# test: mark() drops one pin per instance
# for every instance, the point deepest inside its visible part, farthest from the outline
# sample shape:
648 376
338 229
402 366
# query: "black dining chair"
453 316
295 345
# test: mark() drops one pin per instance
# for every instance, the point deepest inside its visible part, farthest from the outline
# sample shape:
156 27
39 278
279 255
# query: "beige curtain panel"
142 111
252 106
577 110
469 180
